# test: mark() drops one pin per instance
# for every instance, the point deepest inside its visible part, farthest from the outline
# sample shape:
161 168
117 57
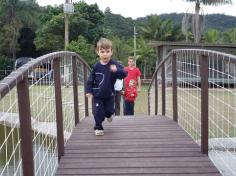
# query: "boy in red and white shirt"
133 73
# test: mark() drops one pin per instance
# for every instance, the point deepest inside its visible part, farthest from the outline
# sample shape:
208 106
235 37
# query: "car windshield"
21 61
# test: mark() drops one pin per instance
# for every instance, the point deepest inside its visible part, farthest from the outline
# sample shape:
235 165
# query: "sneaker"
110 119
99 132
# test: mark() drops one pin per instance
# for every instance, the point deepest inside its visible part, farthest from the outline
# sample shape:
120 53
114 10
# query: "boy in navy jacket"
100 84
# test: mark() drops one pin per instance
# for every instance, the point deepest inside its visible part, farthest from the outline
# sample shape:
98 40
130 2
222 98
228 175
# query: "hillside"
123 27
212 21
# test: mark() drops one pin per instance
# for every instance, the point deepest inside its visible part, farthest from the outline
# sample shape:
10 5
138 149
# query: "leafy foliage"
115 24
86 21
212 36
121 49
6 63
94 16
84 49
50 36
145 57
27 22
160 29
229 36
14 14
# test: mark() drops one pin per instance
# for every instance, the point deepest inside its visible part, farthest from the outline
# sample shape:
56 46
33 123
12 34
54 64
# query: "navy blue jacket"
101 80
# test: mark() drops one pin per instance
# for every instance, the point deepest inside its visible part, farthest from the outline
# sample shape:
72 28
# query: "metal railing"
197 88
40 103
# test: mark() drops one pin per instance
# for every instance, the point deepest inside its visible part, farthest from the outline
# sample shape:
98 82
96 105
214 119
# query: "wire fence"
43 108
206 111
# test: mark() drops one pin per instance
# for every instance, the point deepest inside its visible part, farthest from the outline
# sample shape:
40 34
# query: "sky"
142 8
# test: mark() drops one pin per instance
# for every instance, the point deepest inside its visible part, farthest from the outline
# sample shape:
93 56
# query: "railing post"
59 114
75 90
163 85
204 103
149 103
25 127
156 94
174 88
85 98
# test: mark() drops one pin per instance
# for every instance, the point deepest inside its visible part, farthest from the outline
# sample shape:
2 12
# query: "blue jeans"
128 107
117 102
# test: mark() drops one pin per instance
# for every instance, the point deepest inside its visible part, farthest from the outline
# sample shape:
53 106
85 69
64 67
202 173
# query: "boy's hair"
131 58
104 43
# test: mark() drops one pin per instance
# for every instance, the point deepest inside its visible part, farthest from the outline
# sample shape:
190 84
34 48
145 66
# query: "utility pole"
135 45
66 27
68 9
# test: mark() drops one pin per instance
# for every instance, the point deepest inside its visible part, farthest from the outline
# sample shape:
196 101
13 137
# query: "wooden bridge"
143 145
47 123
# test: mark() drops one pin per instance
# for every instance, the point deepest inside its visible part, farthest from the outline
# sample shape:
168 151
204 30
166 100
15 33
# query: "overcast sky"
141 8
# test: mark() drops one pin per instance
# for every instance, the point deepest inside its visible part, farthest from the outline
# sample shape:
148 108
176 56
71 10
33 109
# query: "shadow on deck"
134 146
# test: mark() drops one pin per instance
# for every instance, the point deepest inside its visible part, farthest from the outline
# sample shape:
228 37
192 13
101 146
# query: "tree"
117 25
212 36
87 21
157 28
197 20
121 50
50 36
107 10
26 43
229 36
145 57
95 18
14 14
84 49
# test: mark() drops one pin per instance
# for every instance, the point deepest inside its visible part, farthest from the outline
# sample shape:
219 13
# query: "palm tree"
229 36
212 36
156 28
197 18
146 55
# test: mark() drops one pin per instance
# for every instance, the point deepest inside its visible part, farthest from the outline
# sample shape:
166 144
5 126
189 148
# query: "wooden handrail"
204 62
19 79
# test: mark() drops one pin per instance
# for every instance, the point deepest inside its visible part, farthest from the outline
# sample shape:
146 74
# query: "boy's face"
104 54
131 62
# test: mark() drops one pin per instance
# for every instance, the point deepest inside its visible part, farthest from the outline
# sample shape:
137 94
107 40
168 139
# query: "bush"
6 63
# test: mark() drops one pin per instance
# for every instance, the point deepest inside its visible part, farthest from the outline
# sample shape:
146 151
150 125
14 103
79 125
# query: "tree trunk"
196 24
144 69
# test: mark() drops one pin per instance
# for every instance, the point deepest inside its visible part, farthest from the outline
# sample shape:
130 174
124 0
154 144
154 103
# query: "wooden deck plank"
134 146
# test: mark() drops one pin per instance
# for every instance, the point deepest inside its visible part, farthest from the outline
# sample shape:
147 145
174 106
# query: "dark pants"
117 102
128 107
103 107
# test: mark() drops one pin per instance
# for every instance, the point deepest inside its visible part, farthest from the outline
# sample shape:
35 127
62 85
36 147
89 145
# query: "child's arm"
89 84
120 72
135 93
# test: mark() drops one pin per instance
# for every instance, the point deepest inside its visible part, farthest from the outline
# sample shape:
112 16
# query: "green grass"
141 103
222 116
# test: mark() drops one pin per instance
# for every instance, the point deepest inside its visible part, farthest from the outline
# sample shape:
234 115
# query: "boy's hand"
89 95
113 68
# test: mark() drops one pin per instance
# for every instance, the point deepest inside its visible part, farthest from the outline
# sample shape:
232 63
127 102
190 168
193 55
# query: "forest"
29 30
